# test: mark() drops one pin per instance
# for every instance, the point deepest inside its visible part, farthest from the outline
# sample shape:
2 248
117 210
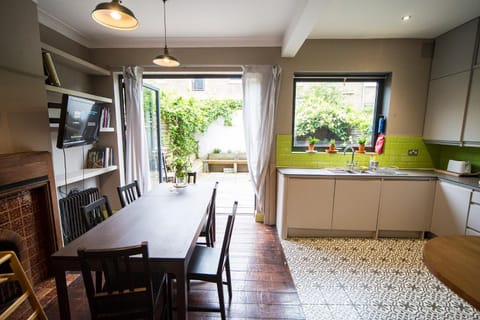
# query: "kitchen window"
338 107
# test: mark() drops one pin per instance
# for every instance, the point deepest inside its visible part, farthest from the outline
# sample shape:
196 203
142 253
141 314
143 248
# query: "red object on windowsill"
379 144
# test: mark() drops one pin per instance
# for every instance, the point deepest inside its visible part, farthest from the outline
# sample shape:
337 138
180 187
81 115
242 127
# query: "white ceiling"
258 23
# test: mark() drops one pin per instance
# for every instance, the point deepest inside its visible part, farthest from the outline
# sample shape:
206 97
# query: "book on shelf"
100 157
49 70
105 117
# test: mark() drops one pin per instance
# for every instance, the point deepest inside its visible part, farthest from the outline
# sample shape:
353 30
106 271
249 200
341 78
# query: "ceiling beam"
301 26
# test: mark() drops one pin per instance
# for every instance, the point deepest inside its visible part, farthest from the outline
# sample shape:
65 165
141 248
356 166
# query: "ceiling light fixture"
165 59
406 18
114 16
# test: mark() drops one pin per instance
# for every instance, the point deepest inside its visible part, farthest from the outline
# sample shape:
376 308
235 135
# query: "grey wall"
23 106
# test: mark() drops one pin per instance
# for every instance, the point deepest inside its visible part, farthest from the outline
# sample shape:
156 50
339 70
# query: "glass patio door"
151 109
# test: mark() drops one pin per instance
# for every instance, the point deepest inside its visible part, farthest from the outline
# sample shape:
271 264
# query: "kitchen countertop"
470 182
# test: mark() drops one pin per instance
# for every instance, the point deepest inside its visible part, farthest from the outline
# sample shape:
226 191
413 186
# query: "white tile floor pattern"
350 279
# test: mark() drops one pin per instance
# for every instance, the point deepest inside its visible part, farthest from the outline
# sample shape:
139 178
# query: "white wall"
225 138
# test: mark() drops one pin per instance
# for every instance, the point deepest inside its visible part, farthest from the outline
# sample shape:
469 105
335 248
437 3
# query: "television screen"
79 122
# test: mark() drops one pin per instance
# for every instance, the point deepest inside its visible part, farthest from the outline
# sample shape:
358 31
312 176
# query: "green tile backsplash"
395 153
441 154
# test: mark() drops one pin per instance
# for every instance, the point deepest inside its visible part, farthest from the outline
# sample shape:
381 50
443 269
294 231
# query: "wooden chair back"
126 293
128 193
96 212
227 238
210 224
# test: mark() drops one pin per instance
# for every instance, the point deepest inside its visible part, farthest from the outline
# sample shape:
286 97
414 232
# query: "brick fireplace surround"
28 210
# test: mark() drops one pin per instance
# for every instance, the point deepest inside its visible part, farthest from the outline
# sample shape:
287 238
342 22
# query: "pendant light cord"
165 22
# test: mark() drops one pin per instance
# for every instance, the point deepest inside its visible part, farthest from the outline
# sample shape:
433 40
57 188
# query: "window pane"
340 110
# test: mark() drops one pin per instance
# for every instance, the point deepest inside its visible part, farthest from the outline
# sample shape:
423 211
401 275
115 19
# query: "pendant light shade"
114 16
165 59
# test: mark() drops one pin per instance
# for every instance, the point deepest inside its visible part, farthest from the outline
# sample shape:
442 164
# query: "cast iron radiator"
73 223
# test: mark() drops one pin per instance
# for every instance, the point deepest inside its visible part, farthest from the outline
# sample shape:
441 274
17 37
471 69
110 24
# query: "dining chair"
128 193
130 290
168 176
96 212
208 229
207 264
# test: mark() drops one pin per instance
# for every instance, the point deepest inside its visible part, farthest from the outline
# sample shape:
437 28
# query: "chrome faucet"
351 165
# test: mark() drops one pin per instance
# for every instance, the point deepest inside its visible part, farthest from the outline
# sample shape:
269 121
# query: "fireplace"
28 210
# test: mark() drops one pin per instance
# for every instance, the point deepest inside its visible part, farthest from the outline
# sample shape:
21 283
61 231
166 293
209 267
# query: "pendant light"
165 59
114 16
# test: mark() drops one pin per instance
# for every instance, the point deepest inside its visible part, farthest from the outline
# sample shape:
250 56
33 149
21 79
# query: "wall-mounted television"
79 122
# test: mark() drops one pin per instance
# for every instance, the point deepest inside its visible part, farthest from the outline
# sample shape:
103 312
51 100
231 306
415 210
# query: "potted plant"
332 147
311 143
181 166
361 144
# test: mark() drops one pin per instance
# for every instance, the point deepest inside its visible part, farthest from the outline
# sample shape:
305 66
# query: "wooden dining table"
170 219
455 261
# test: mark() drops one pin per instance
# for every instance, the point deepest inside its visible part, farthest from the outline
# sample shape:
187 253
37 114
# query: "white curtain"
136 150
260 96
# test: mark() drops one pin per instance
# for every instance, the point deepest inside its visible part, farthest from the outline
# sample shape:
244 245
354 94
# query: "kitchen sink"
378 172
343 171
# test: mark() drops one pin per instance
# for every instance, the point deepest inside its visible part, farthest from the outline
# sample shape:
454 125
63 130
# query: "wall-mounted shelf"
77 93
65 58
79 175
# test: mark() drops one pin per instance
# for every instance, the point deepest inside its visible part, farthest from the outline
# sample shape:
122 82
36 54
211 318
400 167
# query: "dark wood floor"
262 284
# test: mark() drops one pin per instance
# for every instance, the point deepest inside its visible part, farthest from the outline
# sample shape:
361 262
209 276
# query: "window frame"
382 80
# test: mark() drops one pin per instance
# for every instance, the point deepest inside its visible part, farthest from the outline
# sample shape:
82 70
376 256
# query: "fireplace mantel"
28 170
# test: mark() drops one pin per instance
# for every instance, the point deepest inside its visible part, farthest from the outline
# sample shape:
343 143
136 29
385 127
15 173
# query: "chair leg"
220 297
229 278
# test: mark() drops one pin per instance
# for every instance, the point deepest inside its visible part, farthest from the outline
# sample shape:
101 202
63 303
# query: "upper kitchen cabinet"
452 98
447 98
471 134
454 50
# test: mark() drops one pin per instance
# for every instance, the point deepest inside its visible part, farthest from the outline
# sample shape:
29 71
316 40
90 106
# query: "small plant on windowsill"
361 144
311 143
332 147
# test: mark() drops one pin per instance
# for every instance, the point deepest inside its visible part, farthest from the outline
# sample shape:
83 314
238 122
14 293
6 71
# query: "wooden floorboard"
262 284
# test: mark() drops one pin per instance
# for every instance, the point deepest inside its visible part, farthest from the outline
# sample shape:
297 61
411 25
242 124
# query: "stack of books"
101 157
105 118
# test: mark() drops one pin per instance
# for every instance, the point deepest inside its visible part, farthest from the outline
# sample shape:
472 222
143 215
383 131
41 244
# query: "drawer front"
476 196
474 217
471 232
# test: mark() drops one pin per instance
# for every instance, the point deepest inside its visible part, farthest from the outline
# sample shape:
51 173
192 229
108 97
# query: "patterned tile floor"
352 279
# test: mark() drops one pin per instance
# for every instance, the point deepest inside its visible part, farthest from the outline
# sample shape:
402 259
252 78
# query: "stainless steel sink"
378 172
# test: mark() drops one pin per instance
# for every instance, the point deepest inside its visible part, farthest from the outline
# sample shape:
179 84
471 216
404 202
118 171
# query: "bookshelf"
79 175
65 58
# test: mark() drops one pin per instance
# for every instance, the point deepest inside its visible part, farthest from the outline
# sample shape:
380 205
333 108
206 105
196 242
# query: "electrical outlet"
413 152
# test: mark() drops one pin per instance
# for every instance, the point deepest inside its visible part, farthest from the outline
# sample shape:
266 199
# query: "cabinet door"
450 209
356 205
471 133
406 205
309 203
454 50
447 99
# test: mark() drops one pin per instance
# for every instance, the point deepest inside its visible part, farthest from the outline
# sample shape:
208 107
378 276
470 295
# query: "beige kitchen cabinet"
406 205
356 204
454 50
473 221
471 135
447 100
450 209
309 202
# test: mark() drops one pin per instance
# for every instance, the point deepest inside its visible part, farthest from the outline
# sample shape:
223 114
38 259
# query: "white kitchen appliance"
459 166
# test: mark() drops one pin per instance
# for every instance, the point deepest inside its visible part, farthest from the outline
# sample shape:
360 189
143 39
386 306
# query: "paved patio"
231 187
